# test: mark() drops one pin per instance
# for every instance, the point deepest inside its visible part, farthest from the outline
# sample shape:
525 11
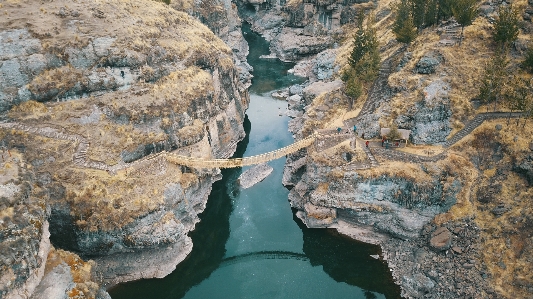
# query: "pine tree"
518 96
418 11
354 87
444 10
432 10
513 96
464 11
364 59
506 27
360 43
404 27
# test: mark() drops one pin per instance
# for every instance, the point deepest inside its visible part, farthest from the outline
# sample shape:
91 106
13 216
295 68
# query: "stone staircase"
475 122
380 90
449 34
373 161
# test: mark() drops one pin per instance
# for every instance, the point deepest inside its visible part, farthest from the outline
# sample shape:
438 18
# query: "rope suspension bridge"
81 157
239 162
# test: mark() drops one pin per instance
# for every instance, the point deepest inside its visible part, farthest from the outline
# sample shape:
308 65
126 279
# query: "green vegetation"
354 86
506 27
444 10
518 96
404 25
394 134
464 11
364 58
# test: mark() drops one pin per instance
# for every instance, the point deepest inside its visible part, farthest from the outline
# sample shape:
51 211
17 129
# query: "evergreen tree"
506 27
368 67
464 11
444 10
364 59
418 11
432 10
515 96
360 43
354 87
404 27
493 80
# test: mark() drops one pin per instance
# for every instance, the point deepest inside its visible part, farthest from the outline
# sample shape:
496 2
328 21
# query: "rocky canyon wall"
89 91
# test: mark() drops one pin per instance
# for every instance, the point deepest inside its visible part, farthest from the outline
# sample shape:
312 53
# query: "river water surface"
248 243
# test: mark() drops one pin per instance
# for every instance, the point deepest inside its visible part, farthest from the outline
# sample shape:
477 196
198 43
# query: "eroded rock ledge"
130 79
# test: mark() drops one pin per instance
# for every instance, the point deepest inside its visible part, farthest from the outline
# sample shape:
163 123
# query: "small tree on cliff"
404 26
364 59
464 11
506 27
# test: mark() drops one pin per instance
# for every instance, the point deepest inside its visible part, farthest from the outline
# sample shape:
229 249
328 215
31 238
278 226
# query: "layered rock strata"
299 29
89 92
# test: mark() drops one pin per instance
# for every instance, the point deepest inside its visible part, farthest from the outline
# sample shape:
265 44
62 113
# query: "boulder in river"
254 175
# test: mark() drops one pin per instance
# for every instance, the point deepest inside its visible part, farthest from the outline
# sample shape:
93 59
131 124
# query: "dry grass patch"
333 156
422 150
507 240
409 171
458 167
80 270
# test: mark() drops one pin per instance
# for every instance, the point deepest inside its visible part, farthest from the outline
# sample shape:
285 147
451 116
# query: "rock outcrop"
299 29
91 91
429 119
255 175
24 241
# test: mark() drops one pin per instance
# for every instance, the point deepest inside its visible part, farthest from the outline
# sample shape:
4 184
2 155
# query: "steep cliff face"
89 90
396 199
222 18
300 29
24 236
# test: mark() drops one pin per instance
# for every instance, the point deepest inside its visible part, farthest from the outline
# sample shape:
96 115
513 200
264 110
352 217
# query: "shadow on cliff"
347 260
209 239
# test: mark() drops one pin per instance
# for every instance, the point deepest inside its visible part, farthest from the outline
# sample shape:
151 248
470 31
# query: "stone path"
379 91
157 162
450 34
406 157
373 161
476 122
322 139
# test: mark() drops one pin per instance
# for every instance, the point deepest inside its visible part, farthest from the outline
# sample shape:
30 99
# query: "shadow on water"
209 239
344 260
347 260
